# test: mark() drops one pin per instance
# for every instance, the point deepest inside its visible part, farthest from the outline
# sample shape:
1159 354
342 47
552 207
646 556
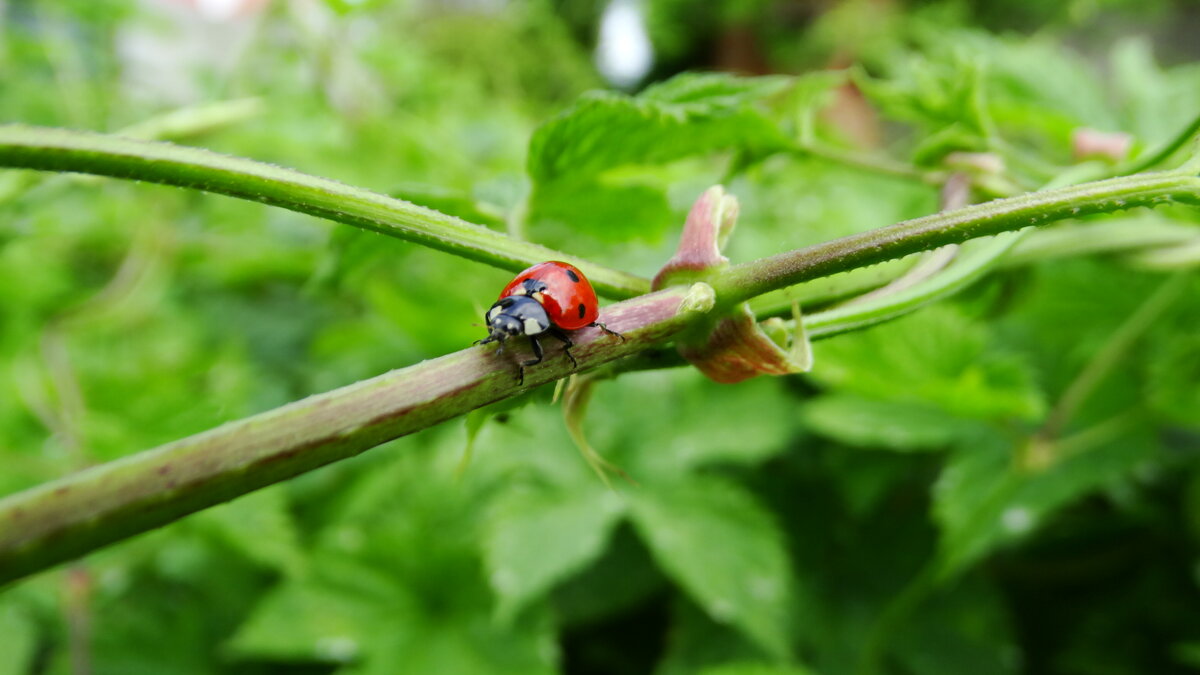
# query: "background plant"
1001 482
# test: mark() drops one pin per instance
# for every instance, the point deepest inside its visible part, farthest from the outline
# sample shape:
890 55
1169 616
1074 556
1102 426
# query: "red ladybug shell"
568 297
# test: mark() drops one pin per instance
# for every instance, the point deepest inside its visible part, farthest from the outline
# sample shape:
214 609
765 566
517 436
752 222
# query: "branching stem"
84 511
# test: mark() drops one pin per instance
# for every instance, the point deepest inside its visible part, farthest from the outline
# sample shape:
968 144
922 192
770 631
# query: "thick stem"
63 519
63 150
55 522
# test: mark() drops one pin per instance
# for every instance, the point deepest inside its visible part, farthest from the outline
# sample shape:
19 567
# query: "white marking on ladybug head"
494 312
533 327
538 296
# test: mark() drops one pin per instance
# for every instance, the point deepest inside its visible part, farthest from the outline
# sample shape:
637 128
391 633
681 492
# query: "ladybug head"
515 315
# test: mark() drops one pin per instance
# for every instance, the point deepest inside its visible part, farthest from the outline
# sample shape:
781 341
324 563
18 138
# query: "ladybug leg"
606 329
537 352
567 344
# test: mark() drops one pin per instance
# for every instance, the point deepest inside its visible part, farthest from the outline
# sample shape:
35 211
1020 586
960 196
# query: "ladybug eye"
574 277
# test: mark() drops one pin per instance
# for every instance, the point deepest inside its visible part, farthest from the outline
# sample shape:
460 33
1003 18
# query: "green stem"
870 162
63 519
742 282
1144 233
63 150
969 266
1111 354
1170 148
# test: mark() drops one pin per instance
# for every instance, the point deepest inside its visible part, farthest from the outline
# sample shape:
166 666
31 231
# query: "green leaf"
697 642
961 629
717 542
260 526
710 424
600 167
985 498
894 425
1187 653
622 578
936 357
752 668
609 212
939 95
1174 371
20 639
467 648
329 619
539 537
358 615
690 115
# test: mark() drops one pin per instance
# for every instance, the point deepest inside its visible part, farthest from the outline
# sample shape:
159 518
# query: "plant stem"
742 282
83 511
869 162
64 150
1121 341
1170 148
1143 233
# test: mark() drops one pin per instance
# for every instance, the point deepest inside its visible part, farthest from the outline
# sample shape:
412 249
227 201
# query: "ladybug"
548 298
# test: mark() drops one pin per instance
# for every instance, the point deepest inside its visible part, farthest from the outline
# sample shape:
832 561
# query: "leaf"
752 668
357 615
939 95
689 115
600 167
20 639
609 212
260 526
1187 653
696 642
717 542
474 647
623 578
536 538
1156 103
710 424
328 619
961 629
984 499
872 423
1174 366
936 357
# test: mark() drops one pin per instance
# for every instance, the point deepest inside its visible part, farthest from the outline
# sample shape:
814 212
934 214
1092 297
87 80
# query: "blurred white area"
183 52
624 54
221 10
173 41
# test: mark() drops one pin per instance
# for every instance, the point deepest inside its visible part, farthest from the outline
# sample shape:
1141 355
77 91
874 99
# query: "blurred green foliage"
891 512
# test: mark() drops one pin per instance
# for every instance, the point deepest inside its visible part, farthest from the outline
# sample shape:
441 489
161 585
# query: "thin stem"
873 163
742 282
1182 256
971 264
64 519
1170 148
1147 233
897 610
64 150
1111 354
955 194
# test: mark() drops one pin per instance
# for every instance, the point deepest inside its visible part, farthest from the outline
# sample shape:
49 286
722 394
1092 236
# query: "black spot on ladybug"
575 278
582 310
